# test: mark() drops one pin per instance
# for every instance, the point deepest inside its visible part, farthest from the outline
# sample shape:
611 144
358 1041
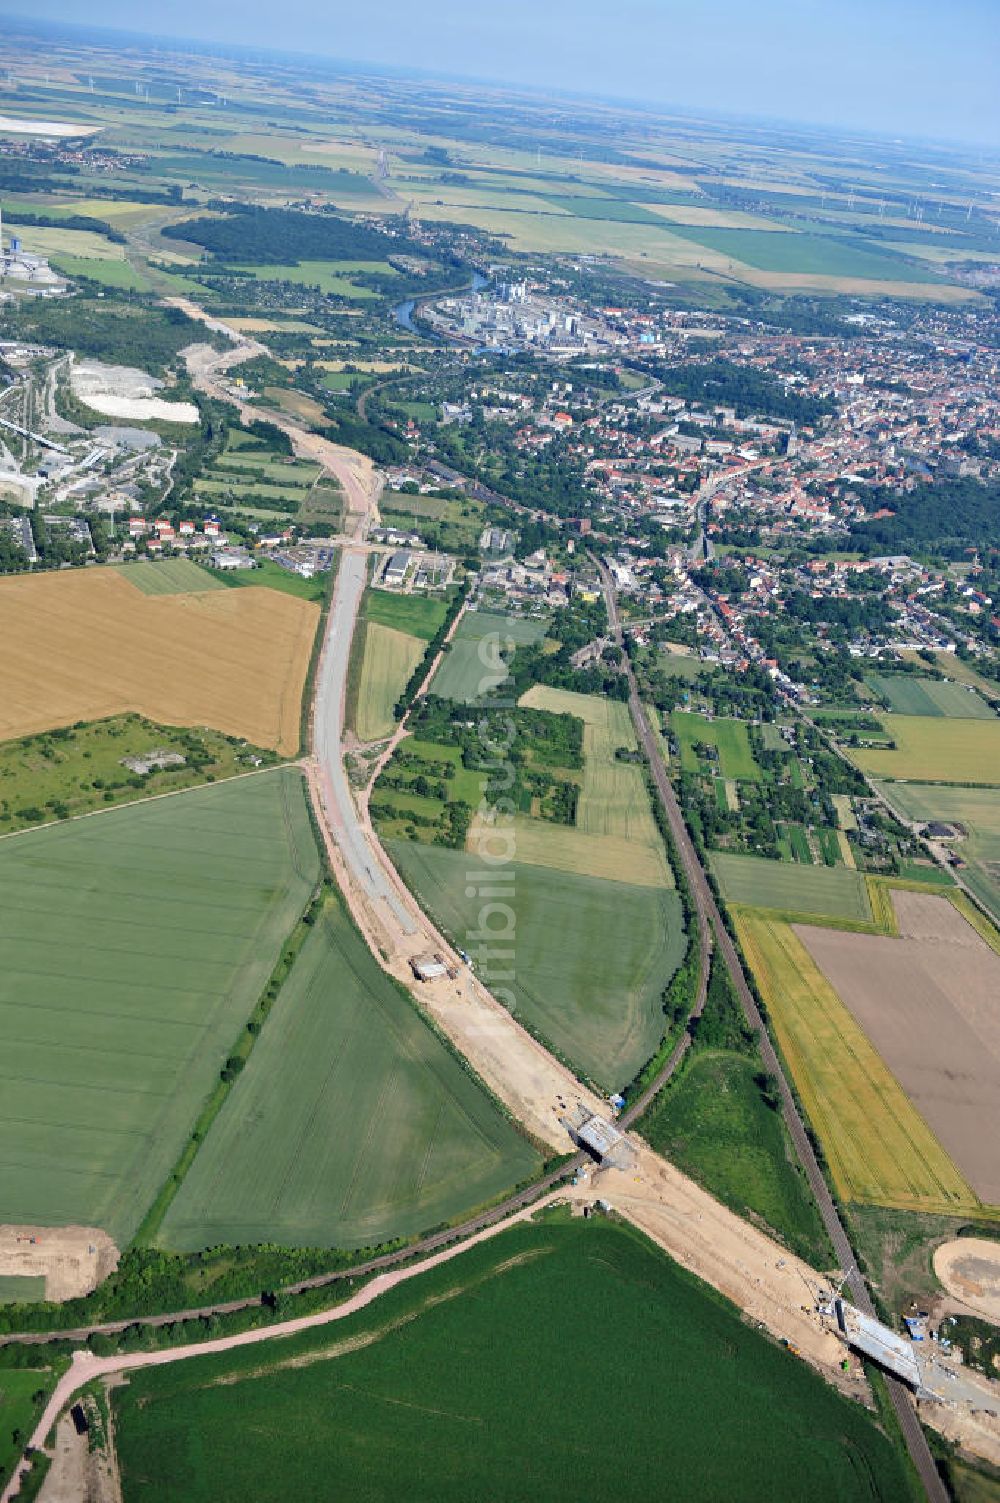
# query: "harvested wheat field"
928 1000
86 644
879 1148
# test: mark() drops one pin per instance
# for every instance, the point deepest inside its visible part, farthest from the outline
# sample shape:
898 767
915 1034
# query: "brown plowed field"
83 644
928 1001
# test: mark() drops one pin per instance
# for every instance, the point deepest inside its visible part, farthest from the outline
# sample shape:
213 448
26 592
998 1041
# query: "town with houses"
662 479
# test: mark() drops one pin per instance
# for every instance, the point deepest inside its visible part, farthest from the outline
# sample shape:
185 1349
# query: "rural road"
85 1366
709 917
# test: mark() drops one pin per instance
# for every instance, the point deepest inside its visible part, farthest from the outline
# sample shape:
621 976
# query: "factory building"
32 273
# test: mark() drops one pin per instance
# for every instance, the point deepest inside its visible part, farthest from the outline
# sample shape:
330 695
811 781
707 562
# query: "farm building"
395 569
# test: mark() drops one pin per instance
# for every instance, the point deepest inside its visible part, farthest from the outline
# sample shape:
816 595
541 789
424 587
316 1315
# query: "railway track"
710 919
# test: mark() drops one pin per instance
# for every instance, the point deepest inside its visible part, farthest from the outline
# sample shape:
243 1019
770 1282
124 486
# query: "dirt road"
85 1366
538 1090
354 473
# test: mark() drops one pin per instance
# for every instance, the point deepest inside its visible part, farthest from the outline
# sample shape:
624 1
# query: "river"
403 312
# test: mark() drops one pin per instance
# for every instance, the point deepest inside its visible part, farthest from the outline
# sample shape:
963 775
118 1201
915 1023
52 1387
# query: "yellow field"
883 910
720 219
613 803
390 657
46 240
936 749
272 326
877 1145
296 403
83 644
845 811
567 849
803 281
115 211
963 673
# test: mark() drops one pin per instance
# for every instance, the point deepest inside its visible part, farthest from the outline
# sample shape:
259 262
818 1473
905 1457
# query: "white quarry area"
54 129
120 391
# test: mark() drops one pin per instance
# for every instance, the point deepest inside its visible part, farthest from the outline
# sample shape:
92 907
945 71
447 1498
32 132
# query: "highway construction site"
823 1316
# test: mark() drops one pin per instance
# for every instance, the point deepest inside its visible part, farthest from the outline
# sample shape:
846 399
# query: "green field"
469 667
729 737
243 485
962 672
788 887
388 659
73 770
352 1123
805 254
906 694
466 1384
18 1412
170 576
613 802
454 524
418 615
119 274
799 842
135 946
327 276
591 985
266 572
714 1124
977 810
676 665
771 737
267 466
936 749
403 504
16 1289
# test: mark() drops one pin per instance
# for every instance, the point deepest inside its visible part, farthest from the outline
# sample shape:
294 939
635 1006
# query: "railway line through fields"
710 919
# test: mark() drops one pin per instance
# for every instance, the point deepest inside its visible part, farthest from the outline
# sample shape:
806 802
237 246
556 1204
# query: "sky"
924 68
